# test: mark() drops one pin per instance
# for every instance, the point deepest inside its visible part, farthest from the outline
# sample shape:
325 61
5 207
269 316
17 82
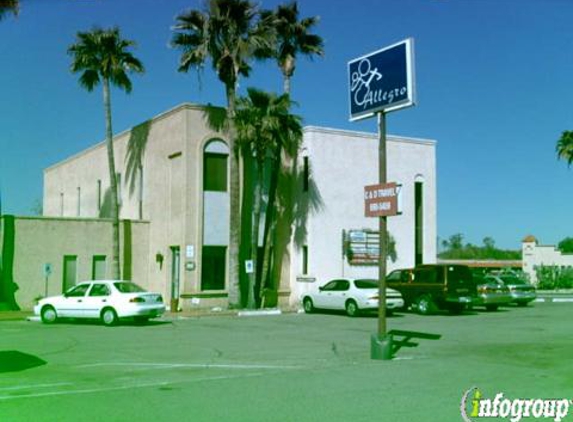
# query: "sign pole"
381 343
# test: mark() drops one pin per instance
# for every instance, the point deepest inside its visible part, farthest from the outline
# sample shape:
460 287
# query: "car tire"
108 317
48 315
491 308
522 304
351 307
307 305
425 305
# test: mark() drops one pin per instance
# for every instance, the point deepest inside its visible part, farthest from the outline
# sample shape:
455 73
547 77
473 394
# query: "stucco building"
172 173
536 255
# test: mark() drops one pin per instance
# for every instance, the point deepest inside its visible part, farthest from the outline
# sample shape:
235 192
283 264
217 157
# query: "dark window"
331 286
306 175
366 284
343 285
215 172
426 275
419 222
305 259
100 290
394 276
78 291
213 266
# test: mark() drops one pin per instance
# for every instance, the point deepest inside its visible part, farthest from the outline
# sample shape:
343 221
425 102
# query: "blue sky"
494 85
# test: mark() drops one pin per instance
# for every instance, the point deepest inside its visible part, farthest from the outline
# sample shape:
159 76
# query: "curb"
554 299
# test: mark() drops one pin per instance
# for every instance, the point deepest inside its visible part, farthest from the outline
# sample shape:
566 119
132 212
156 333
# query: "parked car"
491 293
521 291
351 295
430 287
107 300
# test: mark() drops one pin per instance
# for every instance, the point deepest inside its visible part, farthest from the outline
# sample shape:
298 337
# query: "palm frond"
564 147
103 54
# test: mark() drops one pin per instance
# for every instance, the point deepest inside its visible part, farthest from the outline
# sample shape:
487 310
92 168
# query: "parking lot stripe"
190 365
25 387
123 387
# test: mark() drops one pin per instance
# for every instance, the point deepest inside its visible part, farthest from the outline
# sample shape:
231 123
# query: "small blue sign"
382 80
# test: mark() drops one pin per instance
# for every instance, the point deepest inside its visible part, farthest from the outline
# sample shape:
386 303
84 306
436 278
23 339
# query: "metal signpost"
381 82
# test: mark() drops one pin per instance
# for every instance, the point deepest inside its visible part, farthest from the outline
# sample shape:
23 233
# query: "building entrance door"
70 272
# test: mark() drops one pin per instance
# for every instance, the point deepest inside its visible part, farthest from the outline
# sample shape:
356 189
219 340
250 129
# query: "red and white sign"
381 200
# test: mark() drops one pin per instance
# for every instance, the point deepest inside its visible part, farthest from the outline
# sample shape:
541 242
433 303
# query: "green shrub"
550 277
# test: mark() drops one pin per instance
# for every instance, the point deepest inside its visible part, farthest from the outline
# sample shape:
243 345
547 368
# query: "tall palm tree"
293 37
101 55
262 121
230 34
8 6
564 147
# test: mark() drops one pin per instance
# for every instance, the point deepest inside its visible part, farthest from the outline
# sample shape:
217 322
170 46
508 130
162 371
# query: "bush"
550 277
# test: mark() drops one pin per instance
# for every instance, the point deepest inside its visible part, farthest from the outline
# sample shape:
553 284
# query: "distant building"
536 255
172 173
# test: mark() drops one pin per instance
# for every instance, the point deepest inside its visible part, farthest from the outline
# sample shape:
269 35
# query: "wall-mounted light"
159 259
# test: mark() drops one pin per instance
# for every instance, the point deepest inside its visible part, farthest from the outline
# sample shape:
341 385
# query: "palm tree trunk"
234 293
251 302
270 216
115 274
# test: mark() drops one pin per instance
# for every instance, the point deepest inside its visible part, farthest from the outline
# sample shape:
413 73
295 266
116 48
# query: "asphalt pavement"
289 367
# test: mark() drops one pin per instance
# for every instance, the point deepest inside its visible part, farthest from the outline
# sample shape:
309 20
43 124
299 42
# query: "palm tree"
8 6
564 147
229 33
263 121
101 55
293 37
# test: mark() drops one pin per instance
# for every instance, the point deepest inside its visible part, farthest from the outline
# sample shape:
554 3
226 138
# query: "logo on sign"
382 81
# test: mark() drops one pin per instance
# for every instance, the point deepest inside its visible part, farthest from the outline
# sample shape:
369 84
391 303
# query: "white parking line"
189 365
25 387
121 387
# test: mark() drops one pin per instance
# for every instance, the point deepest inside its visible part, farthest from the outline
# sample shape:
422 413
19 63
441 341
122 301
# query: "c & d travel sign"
382 80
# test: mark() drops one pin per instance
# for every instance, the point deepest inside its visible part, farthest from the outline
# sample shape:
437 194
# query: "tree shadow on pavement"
403 338
15 361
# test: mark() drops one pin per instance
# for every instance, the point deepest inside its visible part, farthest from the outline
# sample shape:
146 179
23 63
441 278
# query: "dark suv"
430 287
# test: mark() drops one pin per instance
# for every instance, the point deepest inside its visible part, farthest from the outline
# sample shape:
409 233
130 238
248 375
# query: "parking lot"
291 367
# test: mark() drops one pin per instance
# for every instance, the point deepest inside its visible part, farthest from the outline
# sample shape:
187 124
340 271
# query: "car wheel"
352 308
49 315
308 305
522 304
425 305
491 308
108 317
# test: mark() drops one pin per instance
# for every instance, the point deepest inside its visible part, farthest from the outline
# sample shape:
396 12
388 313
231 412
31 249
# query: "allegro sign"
381 200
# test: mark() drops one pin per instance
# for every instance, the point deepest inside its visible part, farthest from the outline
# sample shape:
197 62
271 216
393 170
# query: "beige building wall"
43 240
170 190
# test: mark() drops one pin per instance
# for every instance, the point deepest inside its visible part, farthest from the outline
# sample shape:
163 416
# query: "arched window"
215 157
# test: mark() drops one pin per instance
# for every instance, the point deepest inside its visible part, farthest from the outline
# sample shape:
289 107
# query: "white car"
107 300
352 296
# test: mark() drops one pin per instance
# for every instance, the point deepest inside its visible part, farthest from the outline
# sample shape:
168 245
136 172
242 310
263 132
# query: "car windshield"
128 287
366 284
511 279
